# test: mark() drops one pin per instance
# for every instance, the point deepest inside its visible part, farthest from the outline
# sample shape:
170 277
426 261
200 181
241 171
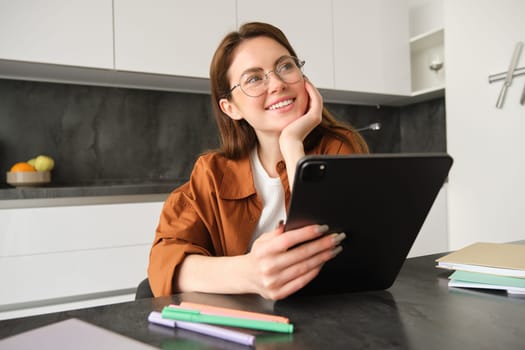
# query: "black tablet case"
380 201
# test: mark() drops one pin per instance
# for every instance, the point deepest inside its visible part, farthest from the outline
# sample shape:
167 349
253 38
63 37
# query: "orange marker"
222 311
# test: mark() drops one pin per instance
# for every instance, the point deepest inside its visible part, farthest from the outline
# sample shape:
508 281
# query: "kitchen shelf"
427 40
426 49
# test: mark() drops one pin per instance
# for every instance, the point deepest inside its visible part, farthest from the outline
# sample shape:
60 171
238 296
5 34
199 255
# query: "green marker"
196 316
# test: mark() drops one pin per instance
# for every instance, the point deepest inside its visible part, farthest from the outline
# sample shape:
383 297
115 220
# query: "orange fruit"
22 166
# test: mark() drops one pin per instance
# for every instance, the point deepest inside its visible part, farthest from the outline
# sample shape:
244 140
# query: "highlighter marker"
196 316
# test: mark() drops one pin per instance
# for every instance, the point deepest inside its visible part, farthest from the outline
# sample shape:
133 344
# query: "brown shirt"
215 213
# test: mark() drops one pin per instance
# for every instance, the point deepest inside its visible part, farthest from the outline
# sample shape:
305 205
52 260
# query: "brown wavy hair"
238 138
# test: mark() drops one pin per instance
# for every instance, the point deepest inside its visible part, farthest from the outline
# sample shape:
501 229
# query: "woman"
222 231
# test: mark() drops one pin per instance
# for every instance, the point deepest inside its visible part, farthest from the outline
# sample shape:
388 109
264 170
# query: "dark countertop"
89 190
418 312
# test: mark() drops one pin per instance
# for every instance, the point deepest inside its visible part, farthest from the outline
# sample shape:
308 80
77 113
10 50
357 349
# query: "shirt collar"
237 181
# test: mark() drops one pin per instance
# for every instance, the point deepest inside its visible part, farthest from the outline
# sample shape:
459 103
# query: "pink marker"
222 311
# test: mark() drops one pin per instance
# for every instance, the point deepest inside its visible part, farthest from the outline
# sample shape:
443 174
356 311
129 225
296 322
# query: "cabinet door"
308 27
171 37
371 46
74 251
65 32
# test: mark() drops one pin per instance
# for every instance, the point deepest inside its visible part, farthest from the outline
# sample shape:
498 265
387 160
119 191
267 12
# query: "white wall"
486 188
425 16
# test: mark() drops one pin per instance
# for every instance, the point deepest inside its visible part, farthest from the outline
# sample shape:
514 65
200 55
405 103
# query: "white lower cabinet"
67 253
54 275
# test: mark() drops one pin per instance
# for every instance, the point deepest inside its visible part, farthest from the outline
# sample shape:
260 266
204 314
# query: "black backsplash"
105 135
416 128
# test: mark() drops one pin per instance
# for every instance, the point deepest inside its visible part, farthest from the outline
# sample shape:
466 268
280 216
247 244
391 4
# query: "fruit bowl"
28 178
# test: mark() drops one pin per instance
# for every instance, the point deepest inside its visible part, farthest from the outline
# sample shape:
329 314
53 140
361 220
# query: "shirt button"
281 165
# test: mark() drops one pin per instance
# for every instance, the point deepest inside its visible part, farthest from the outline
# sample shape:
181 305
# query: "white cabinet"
308 27
348 45
63 32
355 51
371 52
172 37
59 253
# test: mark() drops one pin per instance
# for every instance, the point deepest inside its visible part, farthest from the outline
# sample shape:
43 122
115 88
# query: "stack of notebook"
487 266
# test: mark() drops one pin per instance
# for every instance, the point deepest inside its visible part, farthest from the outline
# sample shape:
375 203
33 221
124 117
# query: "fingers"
293 286
307 255
277 242
316 99
284 262
296 276
294 237
295 132
311 249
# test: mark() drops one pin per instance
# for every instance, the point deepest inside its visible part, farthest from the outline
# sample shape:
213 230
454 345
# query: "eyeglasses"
254 82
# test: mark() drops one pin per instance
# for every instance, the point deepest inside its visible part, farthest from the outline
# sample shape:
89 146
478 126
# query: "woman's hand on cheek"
281 265
293 135
300 128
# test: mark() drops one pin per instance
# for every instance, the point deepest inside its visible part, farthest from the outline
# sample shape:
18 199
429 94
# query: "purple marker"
213 331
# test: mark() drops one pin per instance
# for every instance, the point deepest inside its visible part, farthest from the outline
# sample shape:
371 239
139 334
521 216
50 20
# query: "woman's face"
279 105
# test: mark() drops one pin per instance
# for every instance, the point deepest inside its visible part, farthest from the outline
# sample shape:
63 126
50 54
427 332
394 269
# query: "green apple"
31 162
44 163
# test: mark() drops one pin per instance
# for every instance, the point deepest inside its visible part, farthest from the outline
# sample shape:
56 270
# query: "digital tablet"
380 201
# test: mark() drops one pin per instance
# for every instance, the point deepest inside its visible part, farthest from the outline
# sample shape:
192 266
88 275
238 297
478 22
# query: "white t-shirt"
270 191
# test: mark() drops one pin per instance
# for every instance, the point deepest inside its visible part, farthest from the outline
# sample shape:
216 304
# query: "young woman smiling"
222 231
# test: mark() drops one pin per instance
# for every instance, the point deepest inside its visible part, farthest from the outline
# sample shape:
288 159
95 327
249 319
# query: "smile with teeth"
281 104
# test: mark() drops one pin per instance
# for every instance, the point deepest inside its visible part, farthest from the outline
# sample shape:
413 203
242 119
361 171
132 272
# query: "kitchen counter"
85 194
